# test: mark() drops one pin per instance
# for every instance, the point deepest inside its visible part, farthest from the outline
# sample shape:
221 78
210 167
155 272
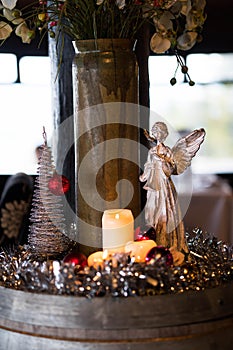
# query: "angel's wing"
186 148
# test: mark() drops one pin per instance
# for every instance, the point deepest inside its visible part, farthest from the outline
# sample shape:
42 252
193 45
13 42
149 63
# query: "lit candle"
96 259
117 229
139 249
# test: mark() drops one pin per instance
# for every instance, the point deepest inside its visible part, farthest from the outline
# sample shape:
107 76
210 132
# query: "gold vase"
106 126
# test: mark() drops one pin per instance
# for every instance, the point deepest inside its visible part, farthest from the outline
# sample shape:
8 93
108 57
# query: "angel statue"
162 210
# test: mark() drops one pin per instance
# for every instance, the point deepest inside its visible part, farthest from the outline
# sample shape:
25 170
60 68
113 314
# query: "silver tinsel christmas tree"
47 230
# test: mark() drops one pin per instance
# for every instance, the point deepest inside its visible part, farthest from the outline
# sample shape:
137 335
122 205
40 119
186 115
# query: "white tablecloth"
211 208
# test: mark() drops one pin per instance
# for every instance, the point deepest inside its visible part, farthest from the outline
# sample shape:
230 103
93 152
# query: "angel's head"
159 131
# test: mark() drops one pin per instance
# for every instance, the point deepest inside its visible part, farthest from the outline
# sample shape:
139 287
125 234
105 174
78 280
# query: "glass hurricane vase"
106 126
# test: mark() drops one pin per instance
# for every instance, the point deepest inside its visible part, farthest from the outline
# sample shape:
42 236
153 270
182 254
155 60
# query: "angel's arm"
151 140
185 149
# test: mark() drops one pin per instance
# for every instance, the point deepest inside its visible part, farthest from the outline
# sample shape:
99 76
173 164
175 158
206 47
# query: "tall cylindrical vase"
106 125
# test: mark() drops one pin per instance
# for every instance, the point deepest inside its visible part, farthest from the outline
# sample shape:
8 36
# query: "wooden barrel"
188 321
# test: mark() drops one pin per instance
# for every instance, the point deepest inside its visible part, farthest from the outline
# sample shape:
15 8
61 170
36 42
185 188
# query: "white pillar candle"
117 229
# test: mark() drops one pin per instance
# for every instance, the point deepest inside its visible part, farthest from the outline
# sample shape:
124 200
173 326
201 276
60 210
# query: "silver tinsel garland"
209 264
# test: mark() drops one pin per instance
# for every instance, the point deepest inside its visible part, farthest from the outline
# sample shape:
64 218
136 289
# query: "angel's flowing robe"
162 209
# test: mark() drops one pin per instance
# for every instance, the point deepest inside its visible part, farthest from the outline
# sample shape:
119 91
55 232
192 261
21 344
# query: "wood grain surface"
192 320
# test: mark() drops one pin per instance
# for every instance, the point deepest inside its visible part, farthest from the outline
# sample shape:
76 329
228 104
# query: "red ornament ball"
150 234
159 253
58 185
77 259
142 238
143 234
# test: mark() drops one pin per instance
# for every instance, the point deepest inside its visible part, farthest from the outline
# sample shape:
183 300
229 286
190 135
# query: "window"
8 74
207 104
25 109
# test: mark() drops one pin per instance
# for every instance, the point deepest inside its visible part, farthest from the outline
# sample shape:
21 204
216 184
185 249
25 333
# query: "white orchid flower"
186 7
187 40
199 4
120 4
25 33
5 30
9 4
164 23
159 44
195 18
169 3
191 22
8 14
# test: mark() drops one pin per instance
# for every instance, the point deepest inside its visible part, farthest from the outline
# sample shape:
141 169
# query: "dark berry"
51 34
173 81
184 69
